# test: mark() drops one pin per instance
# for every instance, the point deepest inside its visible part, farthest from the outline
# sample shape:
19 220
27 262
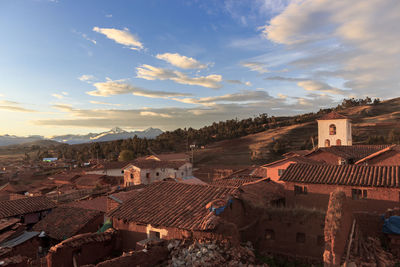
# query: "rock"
204 250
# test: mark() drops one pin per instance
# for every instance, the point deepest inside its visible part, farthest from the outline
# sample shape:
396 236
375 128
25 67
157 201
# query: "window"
280 172
338 142
358 194
327 143
365 193
332 129
298 190
300 237
154 234
269 234
148 175
131 175
157 173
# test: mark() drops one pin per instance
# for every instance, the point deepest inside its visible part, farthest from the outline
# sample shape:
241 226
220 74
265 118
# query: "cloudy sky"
88 66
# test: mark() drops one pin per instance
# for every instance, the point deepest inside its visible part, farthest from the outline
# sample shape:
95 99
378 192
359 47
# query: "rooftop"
233 182
351 175
64 222
171 204
98 203
333 116
294 159
10 208
355 152
153 164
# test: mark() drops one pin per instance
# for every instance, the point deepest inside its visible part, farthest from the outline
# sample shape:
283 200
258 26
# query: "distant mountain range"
114 134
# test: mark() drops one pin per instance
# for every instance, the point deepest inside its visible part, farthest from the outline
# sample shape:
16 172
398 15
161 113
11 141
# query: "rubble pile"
368 251
210 253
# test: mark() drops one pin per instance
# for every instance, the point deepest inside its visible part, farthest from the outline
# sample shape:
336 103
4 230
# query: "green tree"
126 155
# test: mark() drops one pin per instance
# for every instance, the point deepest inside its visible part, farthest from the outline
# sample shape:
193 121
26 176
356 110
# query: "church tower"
334 130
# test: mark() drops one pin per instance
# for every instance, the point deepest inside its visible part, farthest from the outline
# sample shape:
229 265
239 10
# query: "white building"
148 171
334 130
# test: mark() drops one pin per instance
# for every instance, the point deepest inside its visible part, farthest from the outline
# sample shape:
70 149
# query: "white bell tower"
334 129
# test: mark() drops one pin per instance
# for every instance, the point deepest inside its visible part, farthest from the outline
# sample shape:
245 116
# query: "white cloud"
239 82
153 73
123 37
59 96
14 107
310 85
109 16
255 66
119 87
87 78
180 61
355 41
103 103
154 114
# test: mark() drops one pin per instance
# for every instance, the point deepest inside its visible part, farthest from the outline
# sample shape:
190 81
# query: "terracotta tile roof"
90 180
355 152
380 152
351 175
152 164
64 222
233 182
10 208
67 177
296 153
5 223
124 196
172 204
333 116
98 203
295 159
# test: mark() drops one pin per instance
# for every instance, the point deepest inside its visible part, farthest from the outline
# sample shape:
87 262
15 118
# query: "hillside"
368 120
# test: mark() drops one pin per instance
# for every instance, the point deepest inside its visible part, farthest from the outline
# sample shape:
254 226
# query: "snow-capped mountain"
114 134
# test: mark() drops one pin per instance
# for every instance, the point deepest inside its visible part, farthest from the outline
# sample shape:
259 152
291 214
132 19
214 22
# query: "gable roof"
98 203
171 204
233 182
10 208
333 116
153 164
351 175
378 153
294 159
355 152
64 222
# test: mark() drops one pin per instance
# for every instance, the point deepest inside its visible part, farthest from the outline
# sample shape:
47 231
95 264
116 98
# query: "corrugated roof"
351 175
64 222
19 239
10 208
171 204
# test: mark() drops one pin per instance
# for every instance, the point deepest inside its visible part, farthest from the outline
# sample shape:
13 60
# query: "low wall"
82 249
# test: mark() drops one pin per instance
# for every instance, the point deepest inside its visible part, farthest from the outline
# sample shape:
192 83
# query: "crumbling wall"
143 258
82 249
338 224
28 248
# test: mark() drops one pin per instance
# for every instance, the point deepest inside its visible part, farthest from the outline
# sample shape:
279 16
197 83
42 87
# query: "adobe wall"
131 233
28 249
338 223
273 170
291 232
378 199
151 257
84 249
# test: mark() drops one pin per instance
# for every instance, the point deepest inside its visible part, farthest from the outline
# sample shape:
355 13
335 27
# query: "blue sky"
87 66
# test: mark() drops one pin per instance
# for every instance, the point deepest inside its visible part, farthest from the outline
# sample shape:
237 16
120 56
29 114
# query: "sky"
73 67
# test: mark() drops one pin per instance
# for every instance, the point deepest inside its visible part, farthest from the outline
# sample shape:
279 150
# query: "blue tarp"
392 225
219 210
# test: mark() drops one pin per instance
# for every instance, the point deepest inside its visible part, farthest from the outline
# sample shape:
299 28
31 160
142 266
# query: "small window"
269 234
122 171
332 129
298 190
356 194
154 234
327 143
157 174
131 175
280 172
338 142
148 175
365 193
300 237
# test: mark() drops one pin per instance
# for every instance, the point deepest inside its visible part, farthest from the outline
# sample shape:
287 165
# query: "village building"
148 171
29 209
168 157
114 168
334 129
169 210
65 222
370 184
274 170
64 178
